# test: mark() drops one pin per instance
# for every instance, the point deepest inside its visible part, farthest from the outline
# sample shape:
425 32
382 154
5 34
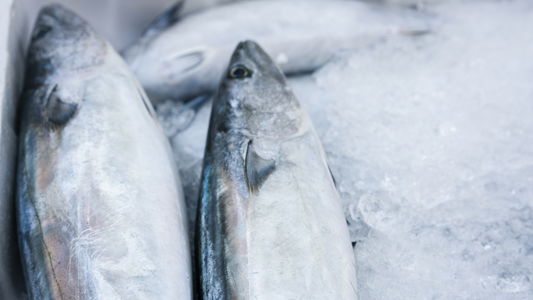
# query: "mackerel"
100 207
187 57
270 223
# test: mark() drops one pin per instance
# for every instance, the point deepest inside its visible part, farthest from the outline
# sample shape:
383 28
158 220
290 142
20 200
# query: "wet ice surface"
430 139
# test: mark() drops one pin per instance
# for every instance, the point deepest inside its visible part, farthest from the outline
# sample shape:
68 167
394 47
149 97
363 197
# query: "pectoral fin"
59 111
257 169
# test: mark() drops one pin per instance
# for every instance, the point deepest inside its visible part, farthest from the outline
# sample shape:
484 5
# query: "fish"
270 223
187 56
198 5
100 207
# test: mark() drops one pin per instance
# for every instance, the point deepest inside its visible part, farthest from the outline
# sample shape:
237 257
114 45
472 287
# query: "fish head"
251 68
255 96
63 50
62 44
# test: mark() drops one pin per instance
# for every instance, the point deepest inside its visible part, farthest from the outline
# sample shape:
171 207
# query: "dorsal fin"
57 110
165 19
256 169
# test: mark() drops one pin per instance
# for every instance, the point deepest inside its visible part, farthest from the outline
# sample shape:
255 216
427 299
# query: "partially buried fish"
270 221
99 203
187 58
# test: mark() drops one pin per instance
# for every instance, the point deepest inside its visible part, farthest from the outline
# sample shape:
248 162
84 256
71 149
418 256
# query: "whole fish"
270 221
185 59
100 208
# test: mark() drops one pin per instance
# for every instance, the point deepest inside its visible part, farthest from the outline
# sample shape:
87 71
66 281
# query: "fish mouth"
62 15
250 50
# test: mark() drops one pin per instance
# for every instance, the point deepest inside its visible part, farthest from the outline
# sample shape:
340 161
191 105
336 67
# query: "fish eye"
239 72
41 31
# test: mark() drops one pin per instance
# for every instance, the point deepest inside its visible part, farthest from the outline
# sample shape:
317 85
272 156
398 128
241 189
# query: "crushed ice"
430 139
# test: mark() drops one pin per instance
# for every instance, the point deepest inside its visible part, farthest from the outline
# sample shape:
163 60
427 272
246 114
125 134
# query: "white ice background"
430 139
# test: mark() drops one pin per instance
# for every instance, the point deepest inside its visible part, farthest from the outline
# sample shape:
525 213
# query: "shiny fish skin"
100 208
270 223
188 58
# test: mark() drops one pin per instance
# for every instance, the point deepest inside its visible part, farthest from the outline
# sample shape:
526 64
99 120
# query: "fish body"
100 208
188 58
270 223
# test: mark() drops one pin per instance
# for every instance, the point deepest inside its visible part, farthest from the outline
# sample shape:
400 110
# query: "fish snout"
250 53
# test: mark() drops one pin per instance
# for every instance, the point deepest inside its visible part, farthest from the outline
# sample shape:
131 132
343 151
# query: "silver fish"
270 221
187 58
100 206
198 5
